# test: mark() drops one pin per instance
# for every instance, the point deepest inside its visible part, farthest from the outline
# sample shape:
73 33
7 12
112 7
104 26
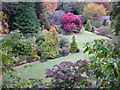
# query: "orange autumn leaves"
53 33
52 30
50 6
4 24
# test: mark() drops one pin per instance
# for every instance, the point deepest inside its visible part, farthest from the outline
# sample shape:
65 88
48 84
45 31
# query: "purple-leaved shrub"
56 17
70 75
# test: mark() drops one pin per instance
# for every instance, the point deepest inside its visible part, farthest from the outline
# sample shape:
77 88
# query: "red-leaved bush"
70 22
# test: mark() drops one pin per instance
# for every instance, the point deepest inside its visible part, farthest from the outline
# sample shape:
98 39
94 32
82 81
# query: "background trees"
50 6
94 10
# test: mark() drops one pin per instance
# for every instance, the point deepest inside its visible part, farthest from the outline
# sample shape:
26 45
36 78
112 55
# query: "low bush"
97 24
18 44
64 51
63 41
104 31
70 75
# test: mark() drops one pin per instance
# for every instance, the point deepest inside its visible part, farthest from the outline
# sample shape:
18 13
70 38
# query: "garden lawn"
38 70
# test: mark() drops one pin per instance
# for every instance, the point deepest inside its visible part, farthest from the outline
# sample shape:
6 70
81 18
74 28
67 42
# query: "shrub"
97 24
69 21
18 44
40 38
25 20
69 75
104 31
92 29
56 17
49 48
88 26
73 46
105 23
63 41
64 51
105 62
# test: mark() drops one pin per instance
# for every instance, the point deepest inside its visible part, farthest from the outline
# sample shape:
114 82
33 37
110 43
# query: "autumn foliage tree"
50 6
4 24
94 10
50 48
106 3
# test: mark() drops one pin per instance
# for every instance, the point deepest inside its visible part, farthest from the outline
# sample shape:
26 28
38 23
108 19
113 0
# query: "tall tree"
50 6
41 15
25 20
79 8
94 10
115 18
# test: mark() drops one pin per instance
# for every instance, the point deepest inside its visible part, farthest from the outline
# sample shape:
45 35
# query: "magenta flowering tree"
71 23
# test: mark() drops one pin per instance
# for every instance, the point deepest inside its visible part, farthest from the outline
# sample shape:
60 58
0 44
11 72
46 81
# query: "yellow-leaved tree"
94 10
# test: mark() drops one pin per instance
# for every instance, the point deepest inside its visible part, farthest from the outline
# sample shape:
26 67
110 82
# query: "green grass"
38 70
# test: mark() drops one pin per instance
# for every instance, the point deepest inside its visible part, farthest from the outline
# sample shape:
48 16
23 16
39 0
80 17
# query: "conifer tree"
73 45
88 26
115 17
51 44
25 20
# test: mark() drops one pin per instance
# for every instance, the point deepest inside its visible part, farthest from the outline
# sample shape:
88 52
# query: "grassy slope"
38 70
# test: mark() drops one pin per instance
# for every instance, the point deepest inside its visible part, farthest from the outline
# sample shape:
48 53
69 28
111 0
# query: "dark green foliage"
105 23
78 8
25 20
73 45
18 44
92 29
76 29
105 62
88 26
115 17
10 8
40 38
